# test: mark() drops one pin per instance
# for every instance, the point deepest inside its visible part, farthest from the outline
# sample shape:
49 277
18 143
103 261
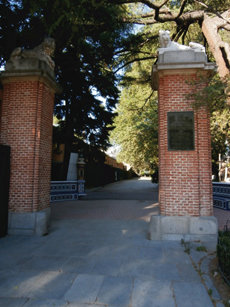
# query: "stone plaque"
181 130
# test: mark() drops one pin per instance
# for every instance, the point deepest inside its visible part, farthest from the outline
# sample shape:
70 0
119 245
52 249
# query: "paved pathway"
135 189
97 254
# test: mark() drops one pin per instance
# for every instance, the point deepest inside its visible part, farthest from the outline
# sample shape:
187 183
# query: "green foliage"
183 18
93 39
215 97
218 5
136 125
201 248
186 245
210 291
220 135
136 128
210 92
87 35
223 253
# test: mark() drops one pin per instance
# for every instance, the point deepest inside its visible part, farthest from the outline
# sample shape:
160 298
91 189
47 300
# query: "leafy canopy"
87 33
136 125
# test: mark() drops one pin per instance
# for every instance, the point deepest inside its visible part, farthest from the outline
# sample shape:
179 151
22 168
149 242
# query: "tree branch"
145 40
136 60
163 3
224 16
181 8
142 107
152 14
202 4
188 17
223 21
149 3
184 34
126 51
178 33
219 49
140 21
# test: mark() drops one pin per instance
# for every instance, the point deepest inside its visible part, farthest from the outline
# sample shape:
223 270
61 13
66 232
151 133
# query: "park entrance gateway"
185 186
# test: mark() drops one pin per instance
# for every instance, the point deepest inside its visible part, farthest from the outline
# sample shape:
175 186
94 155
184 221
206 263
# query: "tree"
214 96
211 19
136 134
128 130
136 125
93 38
87 35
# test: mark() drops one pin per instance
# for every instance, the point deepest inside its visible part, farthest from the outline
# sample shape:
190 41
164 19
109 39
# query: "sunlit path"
97 253
137 189
129 199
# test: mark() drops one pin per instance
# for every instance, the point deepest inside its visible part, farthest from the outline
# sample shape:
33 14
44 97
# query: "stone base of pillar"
29 223
188 228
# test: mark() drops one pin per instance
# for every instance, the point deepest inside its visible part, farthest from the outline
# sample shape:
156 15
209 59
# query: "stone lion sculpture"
43 52
165 42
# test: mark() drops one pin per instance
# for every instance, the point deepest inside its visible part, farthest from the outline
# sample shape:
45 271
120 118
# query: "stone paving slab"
45 303
154 293
105 209
85 288
115 291
42 263
209 285
12 302
34 284
107 266
85 305
191 294
151 273
79 265
104 261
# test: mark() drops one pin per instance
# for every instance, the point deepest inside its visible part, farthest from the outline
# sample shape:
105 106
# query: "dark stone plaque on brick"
180 130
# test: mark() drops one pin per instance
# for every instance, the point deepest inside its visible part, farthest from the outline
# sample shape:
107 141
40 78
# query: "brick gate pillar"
26 126
185 186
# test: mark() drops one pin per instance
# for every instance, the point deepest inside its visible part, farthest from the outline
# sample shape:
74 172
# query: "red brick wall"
26 126
185 176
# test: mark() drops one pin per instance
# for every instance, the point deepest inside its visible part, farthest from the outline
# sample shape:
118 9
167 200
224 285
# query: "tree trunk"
218 47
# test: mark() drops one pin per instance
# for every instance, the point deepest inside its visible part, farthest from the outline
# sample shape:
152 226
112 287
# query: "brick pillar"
185 186
26 126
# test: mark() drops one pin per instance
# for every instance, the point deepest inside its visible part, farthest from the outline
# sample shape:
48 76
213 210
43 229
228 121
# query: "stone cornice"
180 62
30 69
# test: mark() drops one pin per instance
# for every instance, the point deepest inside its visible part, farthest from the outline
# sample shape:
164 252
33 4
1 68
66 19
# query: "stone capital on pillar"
181 62
185 186
30 69
29 87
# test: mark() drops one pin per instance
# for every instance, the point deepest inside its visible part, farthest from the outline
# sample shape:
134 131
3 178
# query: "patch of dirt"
221 286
